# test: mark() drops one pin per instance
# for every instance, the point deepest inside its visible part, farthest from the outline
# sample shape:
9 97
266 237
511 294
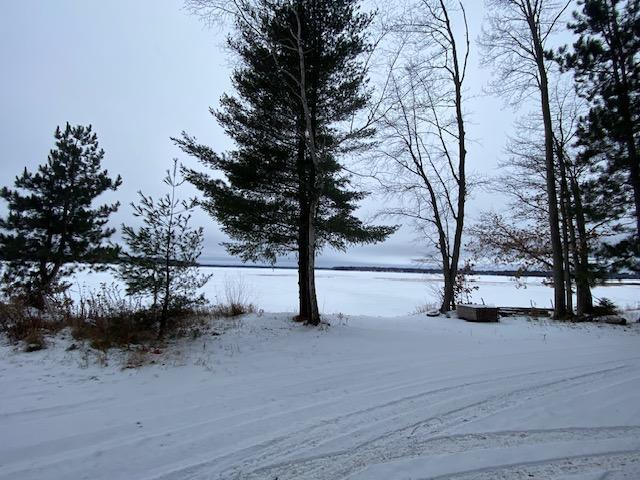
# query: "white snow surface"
373 398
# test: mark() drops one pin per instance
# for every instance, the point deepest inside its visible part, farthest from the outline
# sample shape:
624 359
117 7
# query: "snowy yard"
367 398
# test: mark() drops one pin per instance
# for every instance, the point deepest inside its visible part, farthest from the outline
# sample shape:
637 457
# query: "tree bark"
448 296
303 248
559 307
458 78
584 299
303 287
568 230
632 154
313 316
565 222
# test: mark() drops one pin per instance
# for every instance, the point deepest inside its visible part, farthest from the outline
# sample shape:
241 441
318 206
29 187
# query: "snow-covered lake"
384 294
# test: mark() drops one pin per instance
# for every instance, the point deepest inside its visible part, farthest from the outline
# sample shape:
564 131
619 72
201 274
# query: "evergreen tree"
300 76
162 255
51 224
606 64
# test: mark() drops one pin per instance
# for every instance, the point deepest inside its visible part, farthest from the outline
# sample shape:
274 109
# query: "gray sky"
141 71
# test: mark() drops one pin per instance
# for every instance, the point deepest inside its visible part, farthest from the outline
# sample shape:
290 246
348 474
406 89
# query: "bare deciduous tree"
515 43
422 160
519 235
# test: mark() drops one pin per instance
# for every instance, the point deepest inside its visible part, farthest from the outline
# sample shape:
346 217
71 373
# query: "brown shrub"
106 318
23 323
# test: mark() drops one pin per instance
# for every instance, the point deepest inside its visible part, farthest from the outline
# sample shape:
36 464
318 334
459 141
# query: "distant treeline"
500 273
435 271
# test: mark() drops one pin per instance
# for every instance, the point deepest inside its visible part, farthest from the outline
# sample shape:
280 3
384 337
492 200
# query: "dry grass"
22 323
426 308
237 299
106 318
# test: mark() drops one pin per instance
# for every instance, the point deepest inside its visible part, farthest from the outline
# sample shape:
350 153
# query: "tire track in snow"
53 410
397 443
623 461
111 437
358 421
286 443
442 445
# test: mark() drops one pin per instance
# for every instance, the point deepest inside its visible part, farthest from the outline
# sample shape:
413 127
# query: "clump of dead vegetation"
107 318
21 322
236 300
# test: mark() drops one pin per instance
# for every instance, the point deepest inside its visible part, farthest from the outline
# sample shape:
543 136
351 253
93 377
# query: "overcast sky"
141 71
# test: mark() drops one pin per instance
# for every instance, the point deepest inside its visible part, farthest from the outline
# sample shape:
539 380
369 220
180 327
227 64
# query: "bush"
110 319
34 341
605 307
231 310
23 323
237 300
107 318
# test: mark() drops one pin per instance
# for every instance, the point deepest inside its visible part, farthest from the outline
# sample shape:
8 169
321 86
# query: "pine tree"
605 61
51 224
162 256
300 76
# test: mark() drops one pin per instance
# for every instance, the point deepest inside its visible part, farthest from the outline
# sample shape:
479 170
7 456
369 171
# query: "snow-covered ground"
368 398
379 293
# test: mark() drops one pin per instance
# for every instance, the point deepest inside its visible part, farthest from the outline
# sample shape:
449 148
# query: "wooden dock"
524 312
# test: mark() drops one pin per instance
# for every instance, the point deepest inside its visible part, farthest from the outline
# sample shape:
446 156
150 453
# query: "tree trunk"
303 285
303 246
448 289
634 178
448 295
573 246
167 260
306 284
632 155
559 307
167 295
584 299
155 295
564 210
567 224
451 259
311 185
163 315
462 160
311 307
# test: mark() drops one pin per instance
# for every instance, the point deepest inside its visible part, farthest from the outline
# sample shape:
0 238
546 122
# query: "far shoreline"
418 270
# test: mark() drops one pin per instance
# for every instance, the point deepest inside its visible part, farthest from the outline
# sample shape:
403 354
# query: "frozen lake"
385 294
